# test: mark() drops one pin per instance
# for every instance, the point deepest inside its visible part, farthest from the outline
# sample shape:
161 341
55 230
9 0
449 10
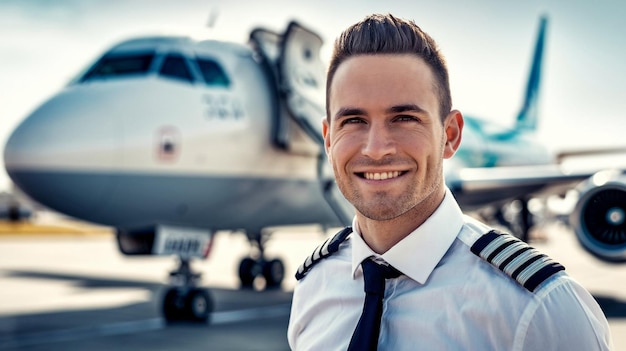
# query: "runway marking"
51 225
133 327
250 314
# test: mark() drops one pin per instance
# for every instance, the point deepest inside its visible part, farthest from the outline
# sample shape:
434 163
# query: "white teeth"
381 176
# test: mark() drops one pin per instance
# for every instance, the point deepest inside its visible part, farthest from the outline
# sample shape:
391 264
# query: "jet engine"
599 217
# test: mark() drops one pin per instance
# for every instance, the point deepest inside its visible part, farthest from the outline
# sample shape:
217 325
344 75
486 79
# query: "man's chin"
380 212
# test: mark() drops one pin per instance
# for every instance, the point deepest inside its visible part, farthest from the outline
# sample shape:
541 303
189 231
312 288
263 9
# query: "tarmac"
67 287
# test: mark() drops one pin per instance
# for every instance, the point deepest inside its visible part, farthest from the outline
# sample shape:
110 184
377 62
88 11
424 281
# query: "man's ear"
453 128
326 135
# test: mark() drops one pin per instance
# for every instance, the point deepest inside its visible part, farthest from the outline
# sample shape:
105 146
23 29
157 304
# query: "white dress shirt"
447 298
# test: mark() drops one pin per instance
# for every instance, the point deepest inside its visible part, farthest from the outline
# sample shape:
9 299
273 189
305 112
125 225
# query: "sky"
487 44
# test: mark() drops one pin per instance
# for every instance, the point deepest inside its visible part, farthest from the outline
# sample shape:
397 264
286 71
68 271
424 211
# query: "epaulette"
517 259
329 247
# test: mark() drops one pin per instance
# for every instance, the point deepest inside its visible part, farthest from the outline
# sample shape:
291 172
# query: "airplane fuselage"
136 150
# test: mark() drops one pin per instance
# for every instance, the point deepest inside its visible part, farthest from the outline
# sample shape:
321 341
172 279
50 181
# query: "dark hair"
386 34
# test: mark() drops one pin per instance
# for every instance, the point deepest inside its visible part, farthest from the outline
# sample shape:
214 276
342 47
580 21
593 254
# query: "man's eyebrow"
355 111
349 111
405 108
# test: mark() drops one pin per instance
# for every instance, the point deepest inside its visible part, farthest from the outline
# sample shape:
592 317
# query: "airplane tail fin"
528 115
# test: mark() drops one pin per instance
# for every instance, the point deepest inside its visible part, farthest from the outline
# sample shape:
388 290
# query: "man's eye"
352 120
407 118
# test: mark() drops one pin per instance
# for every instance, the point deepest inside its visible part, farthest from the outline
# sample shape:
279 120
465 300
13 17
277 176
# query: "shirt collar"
417 255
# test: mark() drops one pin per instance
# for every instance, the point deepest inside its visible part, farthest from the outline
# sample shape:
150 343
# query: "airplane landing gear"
516 218
273 271
184 301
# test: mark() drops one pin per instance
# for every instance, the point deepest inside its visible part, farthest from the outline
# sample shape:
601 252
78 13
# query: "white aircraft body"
170 140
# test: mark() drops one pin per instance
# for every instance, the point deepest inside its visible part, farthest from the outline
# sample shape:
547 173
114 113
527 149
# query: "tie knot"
375 274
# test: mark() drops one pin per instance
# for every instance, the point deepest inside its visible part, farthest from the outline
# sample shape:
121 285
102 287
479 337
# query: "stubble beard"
384 206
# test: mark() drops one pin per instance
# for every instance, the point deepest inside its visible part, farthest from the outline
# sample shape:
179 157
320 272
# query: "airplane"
170 140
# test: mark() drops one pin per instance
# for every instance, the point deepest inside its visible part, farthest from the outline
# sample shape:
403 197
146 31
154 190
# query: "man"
389 127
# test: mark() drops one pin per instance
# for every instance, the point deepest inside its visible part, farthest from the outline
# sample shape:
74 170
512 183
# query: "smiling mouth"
380 175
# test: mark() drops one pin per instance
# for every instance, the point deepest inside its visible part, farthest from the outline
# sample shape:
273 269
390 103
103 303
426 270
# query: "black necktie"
365 335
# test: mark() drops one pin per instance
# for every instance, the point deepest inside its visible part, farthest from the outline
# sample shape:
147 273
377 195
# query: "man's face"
385 140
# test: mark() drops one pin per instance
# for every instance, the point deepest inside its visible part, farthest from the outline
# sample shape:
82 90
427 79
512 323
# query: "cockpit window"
174 66
212 72
117 65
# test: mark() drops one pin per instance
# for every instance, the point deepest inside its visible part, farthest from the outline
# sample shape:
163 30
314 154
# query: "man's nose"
379 143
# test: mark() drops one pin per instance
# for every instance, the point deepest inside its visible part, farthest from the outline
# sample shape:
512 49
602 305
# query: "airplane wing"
475 187
565 154
598 218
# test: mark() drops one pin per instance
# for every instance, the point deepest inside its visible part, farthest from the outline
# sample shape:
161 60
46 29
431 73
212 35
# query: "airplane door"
302 78
302 81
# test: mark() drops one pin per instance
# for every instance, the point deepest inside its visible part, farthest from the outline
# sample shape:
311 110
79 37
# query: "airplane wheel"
247 272
198 305
173 305
273 272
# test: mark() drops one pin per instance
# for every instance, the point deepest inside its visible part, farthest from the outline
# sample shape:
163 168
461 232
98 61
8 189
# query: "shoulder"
515 258
552 310
564 317
326 249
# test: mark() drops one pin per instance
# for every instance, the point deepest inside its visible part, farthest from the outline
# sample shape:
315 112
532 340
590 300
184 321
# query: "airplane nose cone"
59 154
